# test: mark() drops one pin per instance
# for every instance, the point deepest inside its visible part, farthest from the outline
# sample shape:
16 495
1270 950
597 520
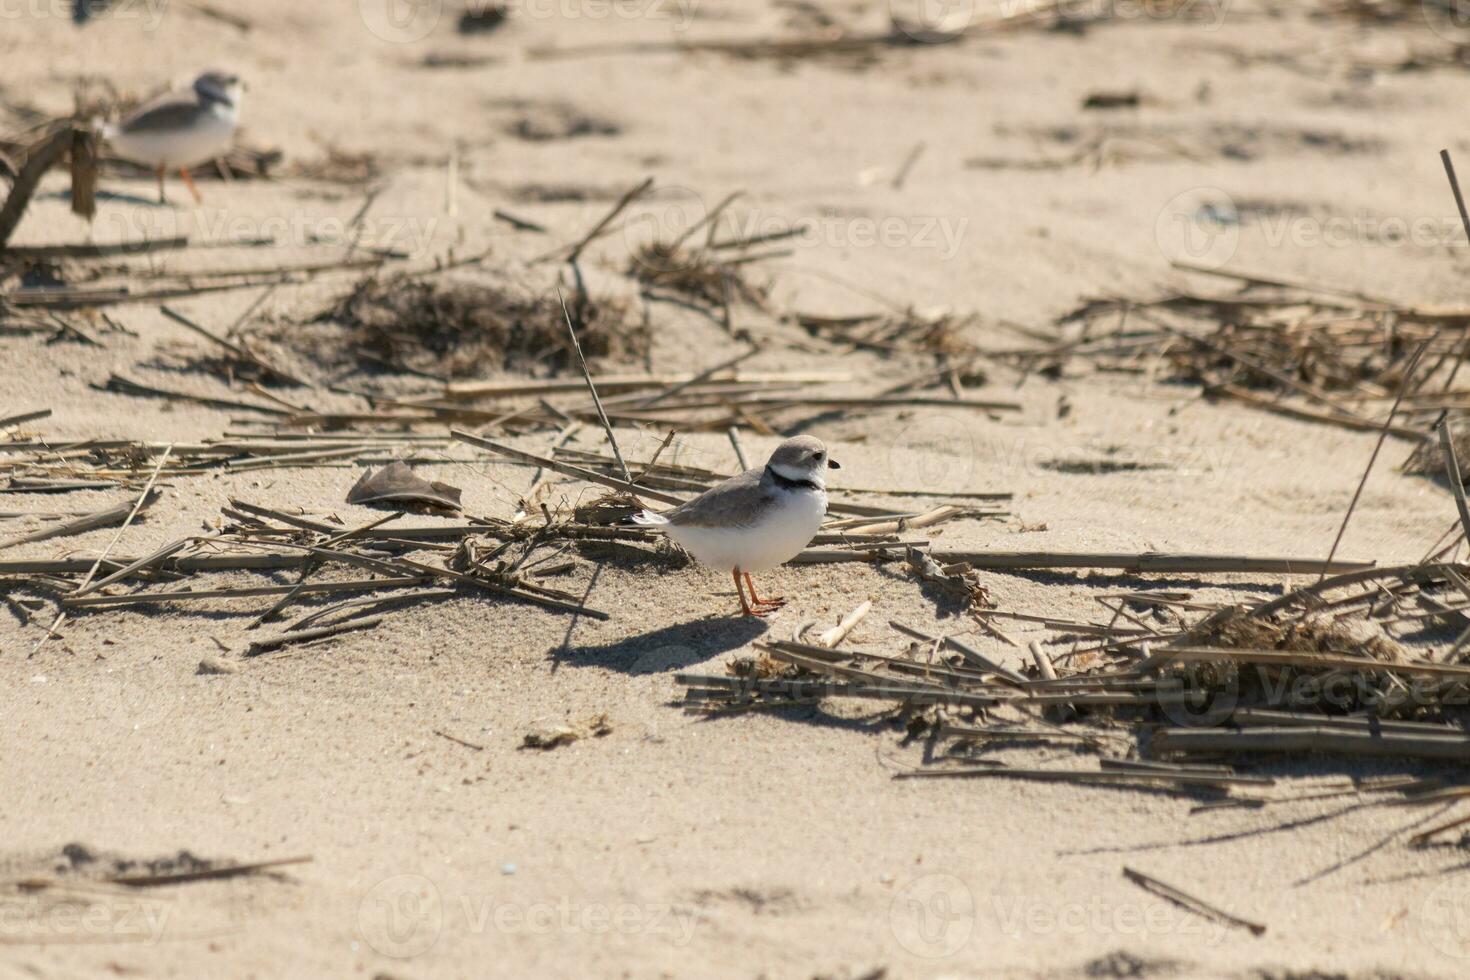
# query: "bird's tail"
648 518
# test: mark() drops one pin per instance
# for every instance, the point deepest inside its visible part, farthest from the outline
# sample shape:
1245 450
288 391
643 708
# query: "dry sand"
755 845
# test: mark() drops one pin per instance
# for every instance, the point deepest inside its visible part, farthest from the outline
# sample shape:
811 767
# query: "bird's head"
220 86
803 458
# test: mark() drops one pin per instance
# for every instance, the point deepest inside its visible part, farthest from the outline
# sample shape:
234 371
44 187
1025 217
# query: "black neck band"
786 483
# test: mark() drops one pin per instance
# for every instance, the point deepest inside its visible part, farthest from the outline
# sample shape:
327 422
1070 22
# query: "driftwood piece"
40 158
1455 748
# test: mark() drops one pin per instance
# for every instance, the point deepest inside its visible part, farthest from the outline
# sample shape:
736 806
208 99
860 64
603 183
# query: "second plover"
754 521
180 129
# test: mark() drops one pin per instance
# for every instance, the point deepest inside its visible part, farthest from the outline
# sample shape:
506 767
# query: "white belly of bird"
780 536
208 138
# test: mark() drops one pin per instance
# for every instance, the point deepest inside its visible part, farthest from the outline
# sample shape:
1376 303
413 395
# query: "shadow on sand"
667 648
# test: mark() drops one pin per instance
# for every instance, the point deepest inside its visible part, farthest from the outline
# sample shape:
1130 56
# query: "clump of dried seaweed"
1235 628
1310 352
1428 459
459 326
700 274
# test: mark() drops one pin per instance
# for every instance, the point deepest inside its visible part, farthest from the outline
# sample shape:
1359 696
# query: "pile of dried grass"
453 327
699 274
1234 628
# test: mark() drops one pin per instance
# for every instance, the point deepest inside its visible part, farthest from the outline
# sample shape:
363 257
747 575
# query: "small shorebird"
756 520
179 129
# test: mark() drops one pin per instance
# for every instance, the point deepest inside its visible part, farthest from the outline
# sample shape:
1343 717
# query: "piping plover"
756 520
179 129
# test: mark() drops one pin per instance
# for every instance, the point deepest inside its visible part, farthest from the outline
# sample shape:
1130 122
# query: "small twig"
1452 473
627 199
316 633
1191 904
830 638
1422 838
597 401
204 874
1449 170
908 164
459 741
143 499
656 454
1382 435
238 350
520 224
734 435
565 469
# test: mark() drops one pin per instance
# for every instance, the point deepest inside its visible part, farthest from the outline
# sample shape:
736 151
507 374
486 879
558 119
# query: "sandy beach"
958 179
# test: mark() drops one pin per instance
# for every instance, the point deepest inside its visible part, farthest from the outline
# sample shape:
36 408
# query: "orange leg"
189 183
744 606
770 604
161 198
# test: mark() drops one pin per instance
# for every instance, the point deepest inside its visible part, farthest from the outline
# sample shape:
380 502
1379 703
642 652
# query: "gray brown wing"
168 112
735 503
